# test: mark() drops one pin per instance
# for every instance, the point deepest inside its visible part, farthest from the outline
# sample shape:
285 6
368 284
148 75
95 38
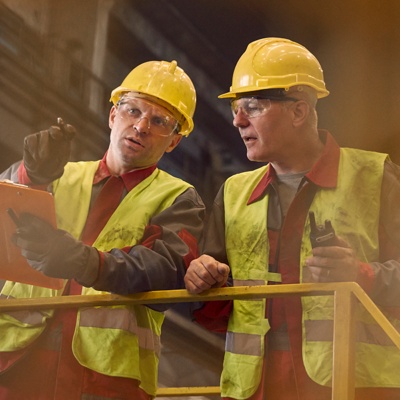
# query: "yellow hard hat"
275 63
168 84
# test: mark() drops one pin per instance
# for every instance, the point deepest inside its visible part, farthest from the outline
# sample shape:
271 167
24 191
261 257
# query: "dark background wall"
73 53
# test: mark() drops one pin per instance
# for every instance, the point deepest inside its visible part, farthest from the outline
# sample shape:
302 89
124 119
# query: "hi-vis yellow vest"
353 207
116 341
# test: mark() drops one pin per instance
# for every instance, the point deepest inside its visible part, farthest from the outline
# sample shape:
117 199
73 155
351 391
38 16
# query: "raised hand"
46 152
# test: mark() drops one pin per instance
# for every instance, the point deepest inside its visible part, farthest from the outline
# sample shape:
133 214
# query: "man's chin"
254 157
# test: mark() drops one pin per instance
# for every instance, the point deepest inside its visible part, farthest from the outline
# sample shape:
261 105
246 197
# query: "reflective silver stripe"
319 331
271 277
243 343
248 282
322 331
120 318
25 316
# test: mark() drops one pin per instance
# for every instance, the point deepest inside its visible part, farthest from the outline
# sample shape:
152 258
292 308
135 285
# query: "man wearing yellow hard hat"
315 212
124 226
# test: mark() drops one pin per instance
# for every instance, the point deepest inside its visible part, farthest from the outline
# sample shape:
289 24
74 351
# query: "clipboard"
21 198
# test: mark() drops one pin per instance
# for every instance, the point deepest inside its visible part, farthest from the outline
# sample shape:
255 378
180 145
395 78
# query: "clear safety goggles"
159 120
255 106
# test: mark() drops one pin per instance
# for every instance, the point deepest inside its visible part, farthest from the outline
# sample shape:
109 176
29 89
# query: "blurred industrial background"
63 58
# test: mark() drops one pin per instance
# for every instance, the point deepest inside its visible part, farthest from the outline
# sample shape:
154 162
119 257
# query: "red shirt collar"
323 173
130 179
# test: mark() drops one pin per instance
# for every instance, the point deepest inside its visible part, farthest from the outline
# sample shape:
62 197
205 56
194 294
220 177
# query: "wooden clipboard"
20 198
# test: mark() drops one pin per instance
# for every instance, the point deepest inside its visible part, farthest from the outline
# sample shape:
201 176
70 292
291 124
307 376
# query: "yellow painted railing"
346 295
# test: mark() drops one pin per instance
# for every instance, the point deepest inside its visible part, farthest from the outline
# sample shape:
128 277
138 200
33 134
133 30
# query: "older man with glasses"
124 226
259 233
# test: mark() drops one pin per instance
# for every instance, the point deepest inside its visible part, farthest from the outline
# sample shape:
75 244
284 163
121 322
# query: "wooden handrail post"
343 368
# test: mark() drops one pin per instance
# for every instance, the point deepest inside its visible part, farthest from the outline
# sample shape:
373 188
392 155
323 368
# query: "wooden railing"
346 295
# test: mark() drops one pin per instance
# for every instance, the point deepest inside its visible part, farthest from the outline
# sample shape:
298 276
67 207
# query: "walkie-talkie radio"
321 235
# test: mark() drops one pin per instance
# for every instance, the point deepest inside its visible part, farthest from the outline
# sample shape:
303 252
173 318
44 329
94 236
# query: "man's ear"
174 142
301 110
111 117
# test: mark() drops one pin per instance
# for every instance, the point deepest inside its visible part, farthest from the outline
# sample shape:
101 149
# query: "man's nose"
240 119
143 124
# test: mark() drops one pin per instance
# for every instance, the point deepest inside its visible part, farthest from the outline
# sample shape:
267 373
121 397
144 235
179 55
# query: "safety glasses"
159 121
255 106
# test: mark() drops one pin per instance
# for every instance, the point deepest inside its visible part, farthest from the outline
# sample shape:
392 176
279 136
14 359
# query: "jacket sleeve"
385 281
11 173
159 262
17 173
214 315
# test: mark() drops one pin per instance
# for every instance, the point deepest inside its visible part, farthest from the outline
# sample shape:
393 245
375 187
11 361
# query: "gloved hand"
55 252
46 152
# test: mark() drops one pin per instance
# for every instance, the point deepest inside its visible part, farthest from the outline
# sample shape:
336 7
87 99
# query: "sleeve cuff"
95 265
365 276
23 177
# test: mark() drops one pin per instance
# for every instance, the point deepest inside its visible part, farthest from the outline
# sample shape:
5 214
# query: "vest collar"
131 178
324 173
